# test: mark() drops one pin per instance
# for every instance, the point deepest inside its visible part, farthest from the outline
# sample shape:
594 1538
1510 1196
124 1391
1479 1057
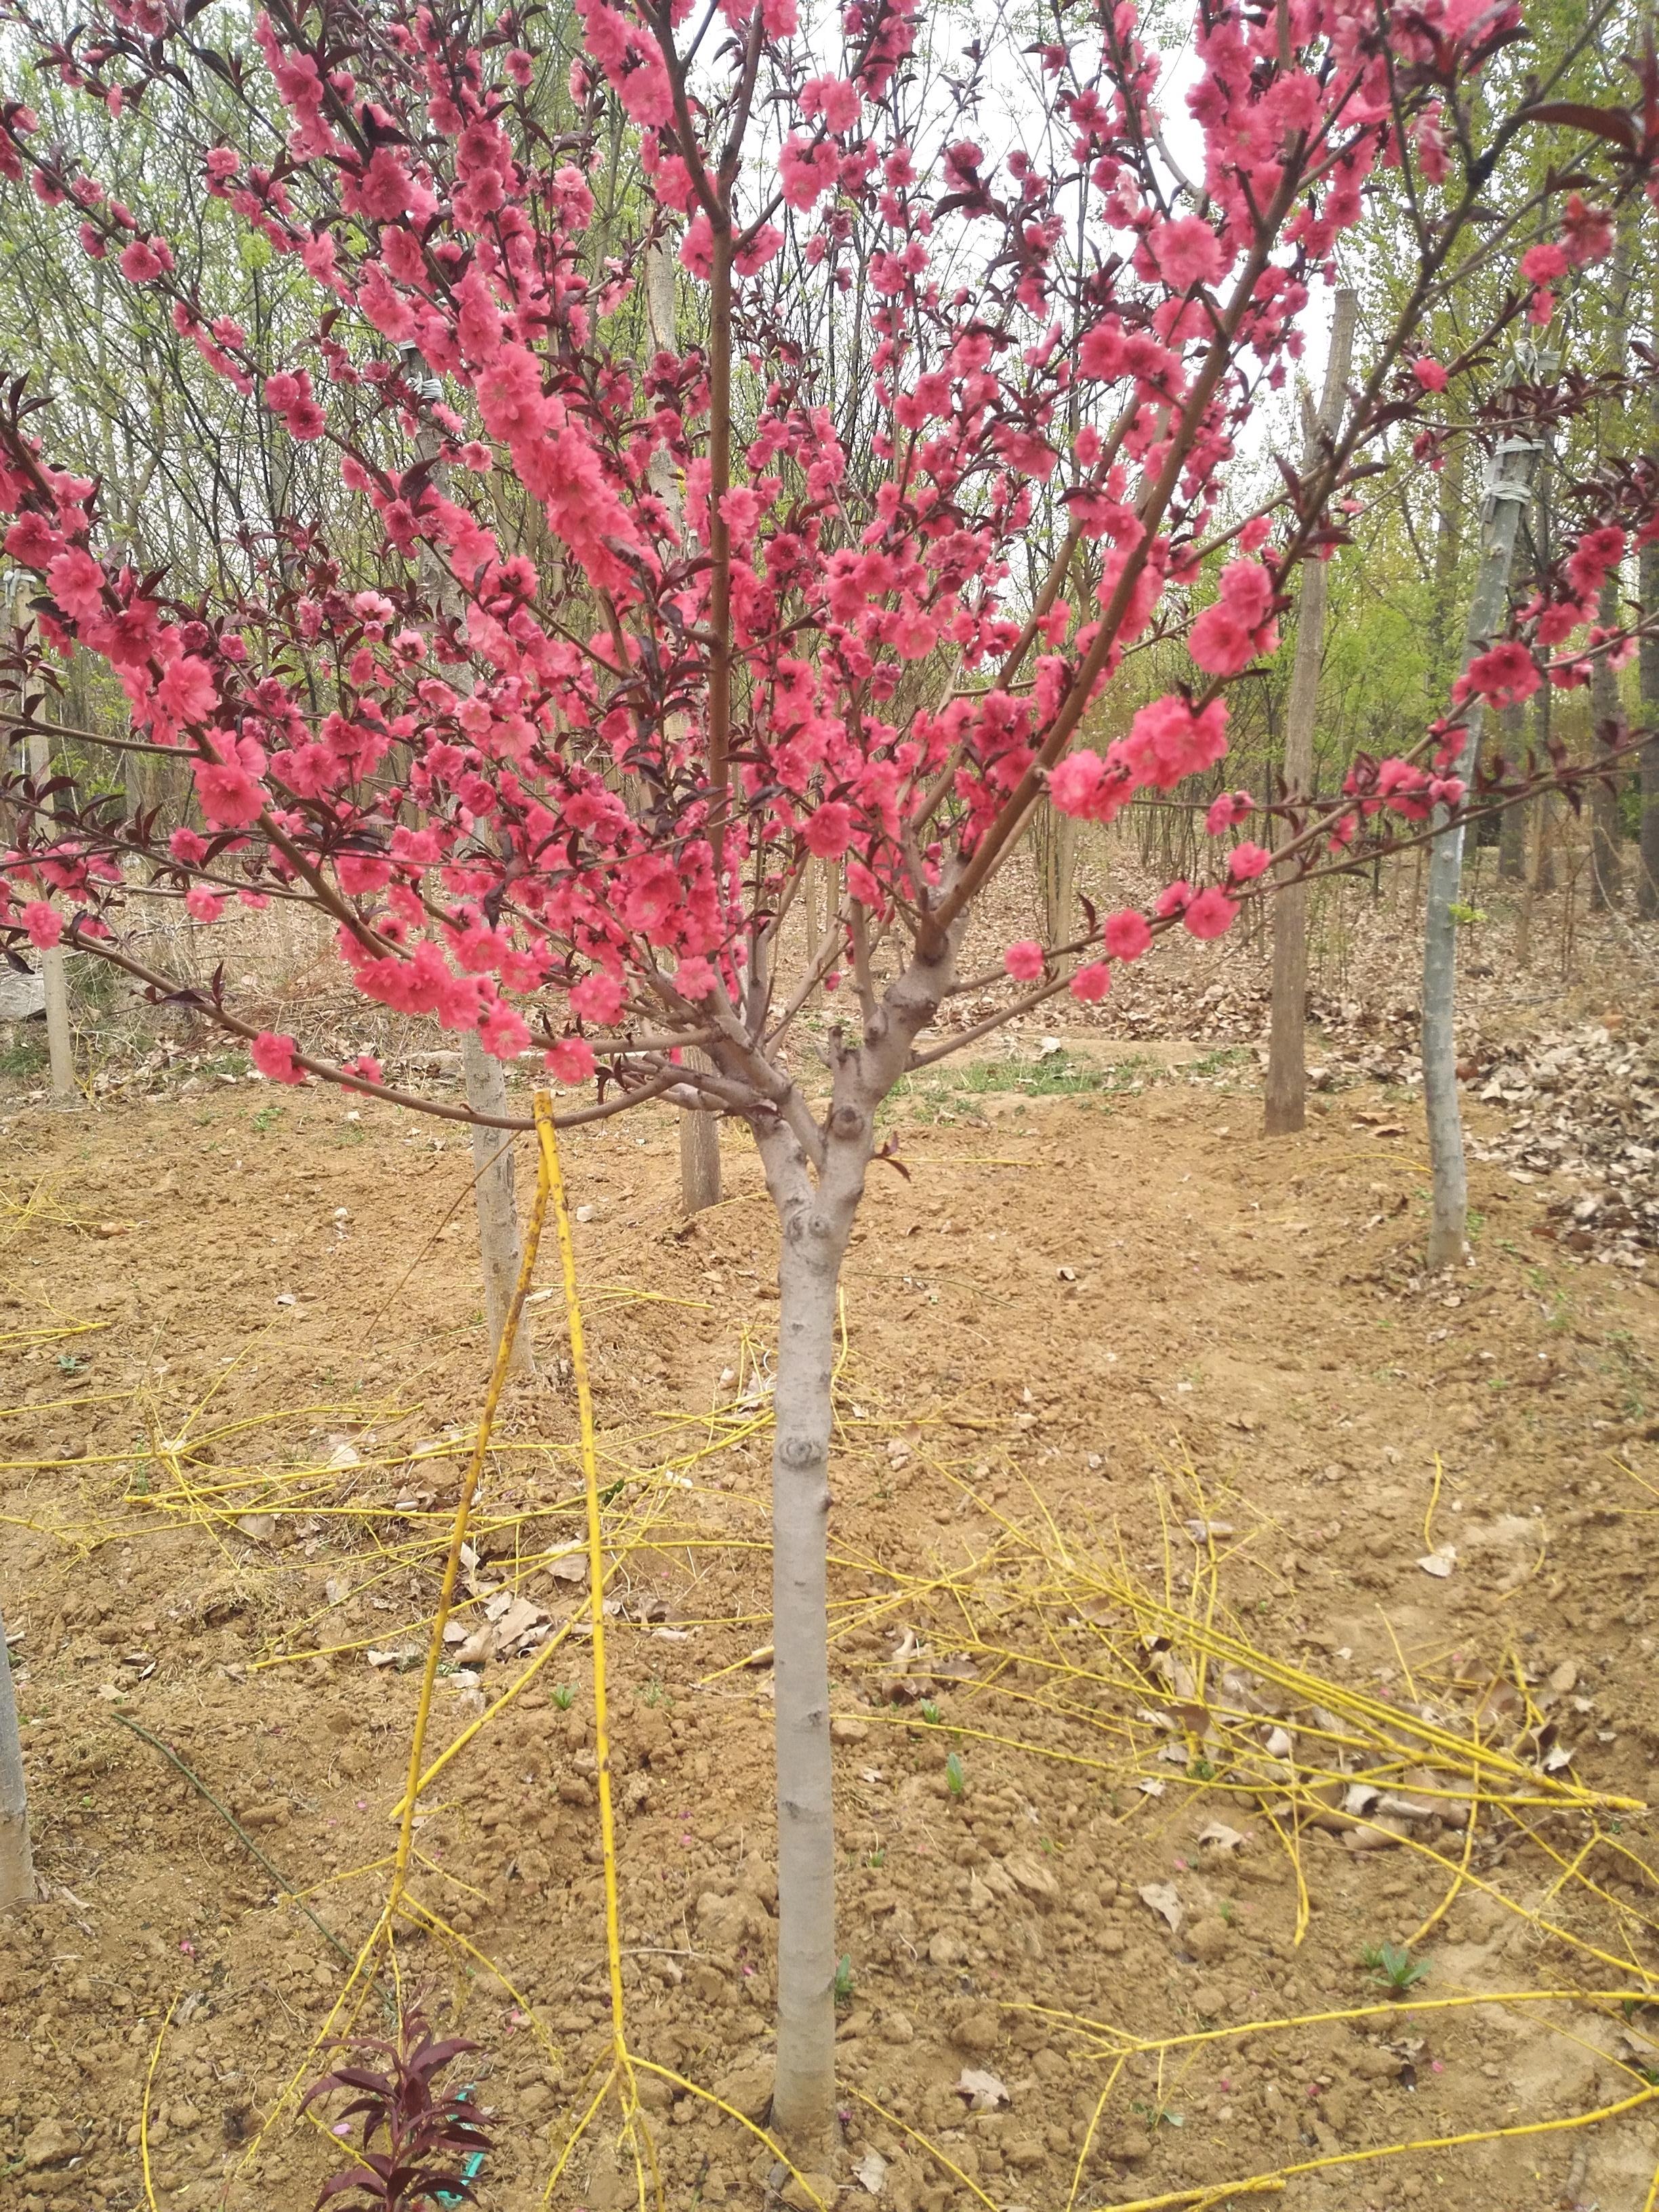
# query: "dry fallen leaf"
870 2173
1161 1897
1223 1838
1439 1562
984 2093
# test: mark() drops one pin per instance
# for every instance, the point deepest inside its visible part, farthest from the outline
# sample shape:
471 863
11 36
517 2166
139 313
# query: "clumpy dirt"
1113 1365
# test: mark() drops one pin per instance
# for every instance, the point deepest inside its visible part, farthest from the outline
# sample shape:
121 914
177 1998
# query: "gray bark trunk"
816 1213
1509 485
1286 1103
497 1201
700 1157
700 1145
1606 843
1512 834
486 1079
16 1861
54 966
814 1243
1447 552
1647 872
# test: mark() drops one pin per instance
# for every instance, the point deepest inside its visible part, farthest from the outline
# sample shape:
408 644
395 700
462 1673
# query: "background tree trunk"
1054 841
54 964
1512 831
1647 872
1607 874
1287 1036
700 1141
16 1860
1447 550
497 1198
486 1078
1607 869
700 1156
1509 485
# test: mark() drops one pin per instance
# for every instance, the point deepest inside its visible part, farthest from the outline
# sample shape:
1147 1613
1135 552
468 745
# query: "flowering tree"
552 729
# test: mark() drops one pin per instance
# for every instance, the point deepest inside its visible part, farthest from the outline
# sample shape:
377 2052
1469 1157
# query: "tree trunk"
814 1243
54 965
1607 841
1508 485
498 1211
1287 1057
1512 833
1647 872
700 1157
700 1144
486 1079
16 1861
816 1213
1054 844
1607 874
1448 549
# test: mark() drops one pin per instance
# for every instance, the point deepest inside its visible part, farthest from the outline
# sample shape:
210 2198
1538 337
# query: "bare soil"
243 1354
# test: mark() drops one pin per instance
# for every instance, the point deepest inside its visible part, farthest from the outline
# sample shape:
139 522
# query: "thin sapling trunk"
1509 487
1286 1103
16 1861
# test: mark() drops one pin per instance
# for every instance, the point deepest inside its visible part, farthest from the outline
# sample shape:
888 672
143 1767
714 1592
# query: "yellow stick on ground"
552 1177
144 2110
434 1650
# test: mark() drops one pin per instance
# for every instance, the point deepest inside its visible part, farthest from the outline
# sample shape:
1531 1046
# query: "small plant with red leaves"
430 2140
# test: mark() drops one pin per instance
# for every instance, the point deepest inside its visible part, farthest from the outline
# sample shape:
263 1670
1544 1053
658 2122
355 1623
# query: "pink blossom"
32 540
1227 811
827 831
141 261
1544 263
1503 676
1073 781
1429 372
807 172
571 1060
1126 934
1209 914
1175 898
187 689
1024 961
1586 231
502 1033
203 903
1168 740
1228 635
1091 983
1245 862
693 978
596 998
274 1055
76 582
44 923
835 99
1187 251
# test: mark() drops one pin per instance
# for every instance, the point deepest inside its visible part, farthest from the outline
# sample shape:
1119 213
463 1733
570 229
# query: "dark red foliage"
428 2133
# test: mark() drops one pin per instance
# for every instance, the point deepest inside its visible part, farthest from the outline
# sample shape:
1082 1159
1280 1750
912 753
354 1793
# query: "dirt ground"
1146 1426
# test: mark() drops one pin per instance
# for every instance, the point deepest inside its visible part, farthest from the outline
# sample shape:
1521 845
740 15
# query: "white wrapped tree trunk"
1508 488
